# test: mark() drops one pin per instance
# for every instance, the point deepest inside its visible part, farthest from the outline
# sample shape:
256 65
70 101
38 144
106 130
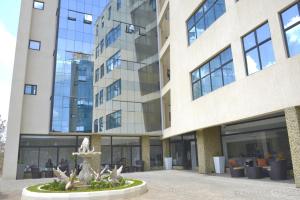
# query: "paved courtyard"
186 185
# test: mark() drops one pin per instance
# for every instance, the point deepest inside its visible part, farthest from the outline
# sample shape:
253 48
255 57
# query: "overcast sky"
9 19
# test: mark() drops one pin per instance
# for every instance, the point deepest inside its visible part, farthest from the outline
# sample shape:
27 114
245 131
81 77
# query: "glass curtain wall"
183 150
156 152
120 151
73 79
127 53
260 139
35 151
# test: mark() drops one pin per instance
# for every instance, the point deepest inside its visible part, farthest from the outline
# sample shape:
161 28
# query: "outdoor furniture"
254 172
235 169
278 170
237 172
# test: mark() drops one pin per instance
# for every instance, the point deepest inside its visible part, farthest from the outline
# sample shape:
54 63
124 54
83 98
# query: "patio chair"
235 169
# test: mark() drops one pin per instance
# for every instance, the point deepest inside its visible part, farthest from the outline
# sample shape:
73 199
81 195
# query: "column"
292 117
96 144
146 152
208 145
166 148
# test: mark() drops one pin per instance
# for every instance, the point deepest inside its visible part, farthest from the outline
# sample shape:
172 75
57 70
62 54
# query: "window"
88 19
118 4
102 22
258 49
113 120
101 46
95 125
38 5
97 51
113 62
214 74
113 90
101 124
30 89
205 16
291 25
101 97
34 45
97 100
113 35
97 74
102 71
109 13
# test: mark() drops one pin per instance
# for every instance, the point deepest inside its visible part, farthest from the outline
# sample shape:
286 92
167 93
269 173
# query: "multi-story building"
226 83
126 84
234 69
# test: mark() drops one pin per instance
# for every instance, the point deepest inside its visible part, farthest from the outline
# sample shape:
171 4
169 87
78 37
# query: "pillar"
146 152
166 148
96 144
208 145
292 117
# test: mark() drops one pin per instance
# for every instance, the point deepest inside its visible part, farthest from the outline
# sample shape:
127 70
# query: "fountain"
89 184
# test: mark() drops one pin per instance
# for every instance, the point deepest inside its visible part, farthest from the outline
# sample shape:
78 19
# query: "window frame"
256 46
210 72
108 117
33 6
284 30
33 91
39 42
203 17
109 90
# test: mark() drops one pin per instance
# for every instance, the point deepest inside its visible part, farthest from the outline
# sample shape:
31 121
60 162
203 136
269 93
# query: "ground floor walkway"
187 185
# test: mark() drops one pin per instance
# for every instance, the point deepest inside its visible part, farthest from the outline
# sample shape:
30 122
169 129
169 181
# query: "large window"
216 73
113 35
206 15
261 138
291 26
258 49
156 156
41 153
113 62
113 120
120 151
113 90
30 89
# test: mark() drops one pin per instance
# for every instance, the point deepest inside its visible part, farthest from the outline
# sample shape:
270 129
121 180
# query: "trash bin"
168 163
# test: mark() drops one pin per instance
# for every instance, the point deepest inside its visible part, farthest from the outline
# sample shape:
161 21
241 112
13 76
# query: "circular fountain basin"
126 193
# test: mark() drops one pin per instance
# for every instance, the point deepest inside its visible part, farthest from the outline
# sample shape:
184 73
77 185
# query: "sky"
9 19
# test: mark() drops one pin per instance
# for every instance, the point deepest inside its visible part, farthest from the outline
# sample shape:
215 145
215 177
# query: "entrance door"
187 161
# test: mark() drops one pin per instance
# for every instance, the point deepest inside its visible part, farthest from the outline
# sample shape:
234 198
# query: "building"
234 69
209 77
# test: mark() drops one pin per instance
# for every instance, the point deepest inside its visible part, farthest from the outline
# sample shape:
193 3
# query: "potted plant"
168 161
219 162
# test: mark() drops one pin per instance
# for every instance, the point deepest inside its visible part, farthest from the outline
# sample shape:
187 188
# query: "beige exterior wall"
266 91
31 114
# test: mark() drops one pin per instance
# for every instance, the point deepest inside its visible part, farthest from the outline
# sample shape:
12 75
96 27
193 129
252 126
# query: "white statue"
85 146
61 175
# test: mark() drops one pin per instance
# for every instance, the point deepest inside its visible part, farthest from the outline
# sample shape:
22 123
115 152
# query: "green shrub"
55 186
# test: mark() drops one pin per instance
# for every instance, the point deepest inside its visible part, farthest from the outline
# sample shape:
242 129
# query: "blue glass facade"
73 80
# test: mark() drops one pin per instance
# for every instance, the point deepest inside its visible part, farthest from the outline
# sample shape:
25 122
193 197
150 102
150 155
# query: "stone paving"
187 185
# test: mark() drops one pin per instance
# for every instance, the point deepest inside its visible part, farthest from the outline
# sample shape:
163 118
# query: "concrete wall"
31 114
266 91
293 124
